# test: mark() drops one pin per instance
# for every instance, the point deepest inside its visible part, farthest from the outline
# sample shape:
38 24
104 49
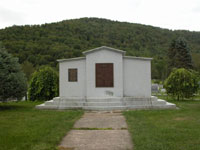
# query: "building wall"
72 89
132 76
104 56
137 77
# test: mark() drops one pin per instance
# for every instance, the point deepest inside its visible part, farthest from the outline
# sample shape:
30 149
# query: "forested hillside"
44 44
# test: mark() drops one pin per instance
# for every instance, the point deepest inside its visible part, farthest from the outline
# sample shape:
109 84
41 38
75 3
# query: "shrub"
181 83
43 84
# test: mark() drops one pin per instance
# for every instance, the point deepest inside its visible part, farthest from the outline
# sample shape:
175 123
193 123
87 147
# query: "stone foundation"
106 104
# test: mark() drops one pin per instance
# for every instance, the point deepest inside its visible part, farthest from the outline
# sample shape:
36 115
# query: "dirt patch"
181 118
65 148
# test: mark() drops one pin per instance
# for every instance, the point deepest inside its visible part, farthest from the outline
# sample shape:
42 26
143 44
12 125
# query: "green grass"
166 129
22 127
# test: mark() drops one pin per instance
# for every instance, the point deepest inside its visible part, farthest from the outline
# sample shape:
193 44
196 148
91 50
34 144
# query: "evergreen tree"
179 55
13 83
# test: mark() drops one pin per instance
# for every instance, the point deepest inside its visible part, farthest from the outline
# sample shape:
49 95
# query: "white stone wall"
104 56
72 89
137 77
132 76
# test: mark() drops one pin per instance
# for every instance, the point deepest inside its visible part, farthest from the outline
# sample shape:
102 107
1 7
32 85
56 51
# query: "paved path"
98 131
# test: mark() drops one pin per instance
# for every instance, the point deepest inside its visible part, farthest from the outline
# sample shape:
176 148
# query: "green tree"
196 58
179 55
43 84
181 83
13 83
28 69
159 68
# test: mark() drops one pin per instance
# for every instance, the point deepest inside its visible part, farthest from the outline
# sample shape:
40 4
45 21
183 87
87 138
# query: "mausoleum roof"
104 48
71 59
141 58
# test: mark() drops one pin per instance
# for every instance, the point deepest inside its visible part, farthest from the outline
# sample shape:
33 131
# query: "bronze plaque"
72 75
104 75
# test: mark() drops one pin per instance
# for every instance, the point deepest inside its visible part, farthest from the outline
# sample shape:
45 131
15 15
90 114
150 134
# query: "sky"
170 14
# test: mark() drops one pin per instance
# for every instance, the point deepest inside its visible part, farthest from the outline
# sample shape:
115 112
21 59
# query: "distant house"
105 79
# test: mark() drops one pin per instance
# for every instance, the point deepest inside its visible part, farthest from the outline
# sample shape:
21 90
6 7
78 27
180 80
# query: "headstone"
160 86
163 90
154 88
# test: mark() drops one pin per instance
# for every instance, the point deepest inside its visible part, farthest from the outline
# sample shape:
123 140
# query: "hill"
44 44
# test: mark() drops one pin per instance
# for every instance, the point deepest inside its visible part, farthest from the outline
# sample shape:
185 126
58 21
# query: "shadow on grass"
11 107
19 105
16 105
170 98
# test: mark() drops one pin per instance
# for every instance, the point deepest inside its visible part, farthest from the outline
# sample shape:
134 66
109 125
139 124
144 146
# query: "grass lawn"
22 127
166 129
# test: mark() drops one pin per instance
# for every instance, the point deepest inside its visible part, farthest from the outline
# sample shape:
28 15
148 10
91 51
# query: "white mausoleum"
105 79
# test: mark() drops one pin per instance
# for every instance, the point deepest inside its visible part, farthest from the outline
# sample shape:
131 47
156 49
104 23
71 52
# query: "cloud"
172 14
10 16
196 9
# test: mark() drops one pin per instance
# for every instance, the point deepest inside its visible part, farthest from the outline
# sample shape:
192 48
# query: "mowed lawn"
22 127
166 129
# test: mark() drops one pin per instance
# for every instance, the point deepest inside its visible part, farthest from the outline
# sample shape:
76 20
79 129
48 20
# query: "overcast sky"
171 14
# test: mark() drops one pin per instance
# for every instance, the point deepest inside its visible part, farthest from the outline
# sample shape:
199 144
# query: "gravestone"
154 88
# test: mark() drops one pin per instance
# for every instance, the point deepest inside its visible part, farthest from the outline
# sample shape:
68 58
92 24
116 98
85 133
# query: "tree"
159 68
181 83
13 83
43 84
28 69
195 58
179 55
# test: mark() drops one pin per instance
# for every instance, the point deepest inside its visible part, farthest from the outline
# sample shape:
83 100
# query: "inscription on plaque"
104 75
72 75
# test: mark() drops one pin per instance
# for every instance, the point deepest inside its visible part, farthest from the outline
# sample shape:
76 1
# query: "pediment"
104 48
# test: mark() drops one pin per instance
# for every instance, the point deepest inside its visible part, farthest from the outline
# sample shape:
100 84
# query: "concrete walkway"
98 131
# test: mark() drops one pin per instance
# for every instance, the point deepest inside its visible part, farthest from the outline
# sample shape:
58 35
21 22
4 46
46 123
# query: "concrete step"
166 106
110 103
80 104
113 99
104 108
64 102
74 99
70 107
171 105
104 104
43 106
159 102
68 103
139 107
51 102
137 102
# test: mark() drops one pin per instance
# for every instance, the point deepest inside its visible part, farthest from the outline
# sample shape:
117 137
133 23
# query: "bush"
43 84
13 83
181 83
